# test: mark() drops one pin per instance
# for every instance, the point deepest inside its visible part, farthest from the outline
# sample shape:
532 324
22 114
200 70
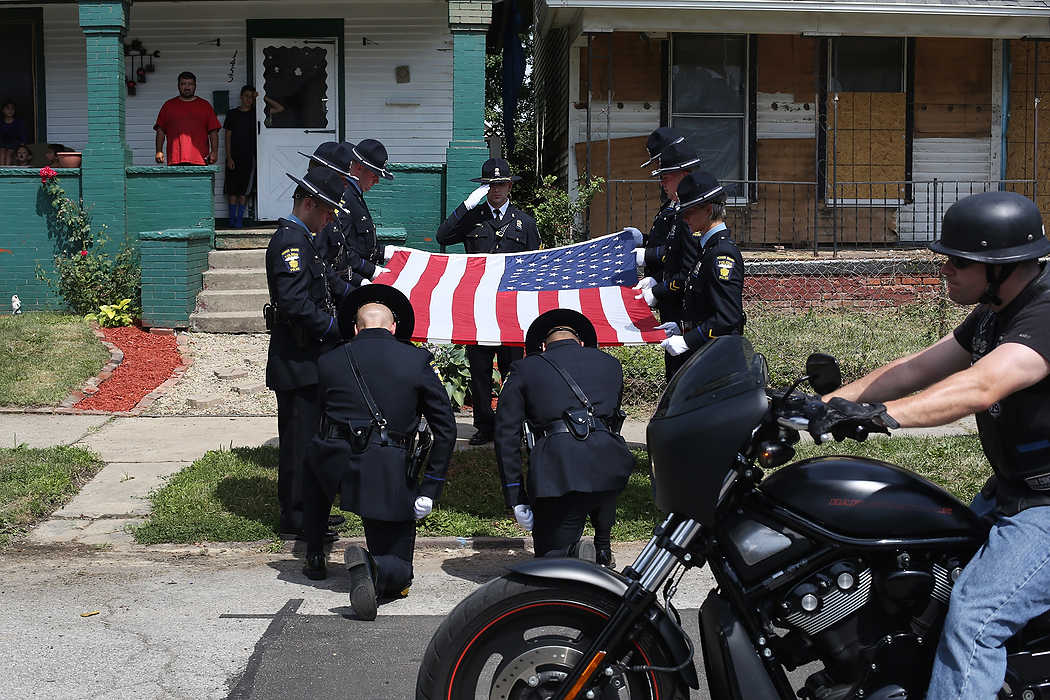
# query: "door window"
295 87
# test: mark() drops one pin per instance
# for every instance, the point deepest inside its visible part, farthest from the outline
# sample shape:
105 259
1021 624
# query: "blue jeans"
1006 584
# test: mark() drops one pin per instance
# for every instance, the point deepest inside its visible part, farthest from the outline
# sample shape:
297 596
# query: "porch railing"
808 215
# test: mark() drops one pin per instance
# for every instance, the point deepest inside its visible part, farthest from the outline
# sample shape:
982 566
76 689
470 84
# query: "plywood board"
635 68
787 64
635 203
788 160
953 71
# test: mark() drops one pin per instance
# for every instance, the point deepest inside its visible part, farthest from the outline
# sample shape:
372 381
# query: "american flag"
492 299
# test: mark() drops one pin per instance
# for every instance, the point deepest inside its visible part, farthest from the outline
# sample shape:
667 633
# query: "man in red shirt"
190 125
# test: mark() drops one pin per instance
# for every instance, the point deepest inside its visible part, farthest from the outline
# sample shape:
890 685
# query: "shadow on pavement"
484 565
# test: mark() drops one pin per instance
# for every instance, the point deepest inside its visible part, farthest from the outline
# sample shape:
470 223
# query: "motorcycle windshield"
704 418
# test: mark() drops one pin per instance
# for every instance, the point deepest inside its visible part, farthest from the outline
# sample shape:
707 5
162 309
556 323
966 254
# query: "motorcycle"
843 561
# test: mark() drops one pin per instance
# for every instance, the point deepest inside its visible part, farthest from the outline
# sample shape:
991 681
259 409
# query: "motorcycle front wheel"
517 639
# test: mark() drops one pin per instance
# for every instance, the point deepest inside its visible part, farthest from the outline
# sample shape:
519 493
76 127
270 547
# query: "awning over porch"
997 19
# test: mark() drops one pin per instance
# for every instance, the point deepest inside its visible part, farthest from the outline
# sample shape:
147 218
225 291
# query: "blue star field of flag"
603 262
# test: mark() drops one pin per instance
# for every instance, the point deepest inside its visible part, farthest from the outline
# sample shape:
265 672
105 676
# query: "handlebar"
839 419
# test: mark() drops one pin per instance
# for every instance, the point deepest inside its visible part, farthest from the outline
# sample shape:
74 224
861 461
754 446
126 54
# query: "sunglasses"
959 263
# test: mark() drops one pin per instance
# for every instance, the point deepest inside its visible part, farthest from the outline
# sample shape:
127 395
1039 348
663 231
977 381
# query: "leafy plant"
86 275
113 315
558 216
454 369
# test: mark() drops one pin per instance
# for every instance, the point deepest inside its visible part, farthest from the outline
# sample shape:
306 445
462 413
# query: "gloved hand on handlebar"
846 419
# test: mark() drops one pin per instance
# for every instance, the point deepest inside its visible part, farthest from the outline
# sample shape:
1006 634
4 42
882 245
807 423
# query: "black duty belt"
559 426
341 431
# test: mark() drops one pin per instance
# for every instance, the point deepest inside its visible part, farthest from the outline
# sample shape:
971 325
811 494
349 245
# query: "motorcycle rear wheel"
516 639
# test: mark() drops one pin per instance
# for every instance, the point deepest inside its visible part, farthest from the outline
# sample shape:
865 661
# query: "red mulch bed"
148 361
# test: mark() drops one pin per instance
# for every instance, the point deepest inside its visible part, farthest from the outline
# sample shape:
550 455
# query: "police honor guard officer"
301 320
569 392
372 390
712 303
353 245
495 226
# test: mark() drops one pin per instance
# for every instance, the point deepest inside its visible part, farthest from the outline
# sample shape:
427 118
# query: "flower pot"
70 159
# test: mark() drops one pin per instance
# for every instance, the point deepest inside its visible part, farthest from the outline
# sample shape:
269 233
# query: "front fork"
648 572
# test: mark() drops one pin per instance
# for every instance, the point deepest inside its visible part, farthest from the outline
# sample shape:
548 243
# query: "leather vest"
1015 432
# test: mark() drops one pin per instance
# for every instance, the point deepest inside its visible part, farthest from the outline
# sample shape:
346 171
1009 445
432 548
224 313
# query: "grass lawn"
861 339
44 356
231 496
36 482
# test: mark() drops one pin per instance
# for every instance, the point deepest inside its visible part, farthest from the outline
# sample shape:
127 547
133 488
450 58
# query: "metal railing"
808 215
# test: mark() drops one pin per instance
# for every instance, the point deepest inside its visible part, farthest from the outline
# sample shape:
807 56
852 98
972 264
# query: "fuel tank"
866 498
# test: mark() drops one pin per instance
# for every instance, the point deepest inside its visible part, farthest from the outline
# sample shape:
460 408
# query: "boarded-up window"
953 88
635 68
867 64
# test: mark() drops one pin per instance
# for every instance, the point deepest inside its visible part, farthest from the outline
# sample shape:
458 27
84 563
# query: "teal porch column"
468 20
103 177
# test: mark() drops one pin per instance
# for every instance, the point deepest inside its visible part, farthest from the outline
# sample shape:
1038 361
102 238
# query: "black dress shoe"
316 567
480 438
361 566
335 520
606 558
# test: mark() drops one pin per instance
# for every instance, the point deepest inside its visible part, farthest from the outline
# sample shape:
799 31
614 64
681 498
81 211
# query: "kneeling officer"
569 393
372 390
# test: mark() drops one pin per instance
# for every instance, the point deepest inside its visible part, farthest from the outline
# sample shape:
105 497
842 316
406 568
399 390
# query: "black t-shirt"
1015 432
241 126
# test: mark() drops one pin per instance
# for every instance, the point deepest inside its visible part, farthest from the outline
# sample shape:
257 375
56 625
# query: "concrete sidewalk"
142 453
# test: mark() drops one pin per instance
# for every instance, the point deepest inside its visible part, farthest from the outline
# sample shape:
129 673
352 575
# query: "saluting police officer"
570 393
372 390
301 320
487 222
713 303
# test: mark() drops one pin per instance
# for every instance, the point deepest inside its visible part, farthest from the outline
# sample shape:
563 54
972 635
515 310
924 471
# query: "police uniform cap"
372 154
659 140
384 294
568 319
677 156
993 227
495 170
323 184
334 155
699 188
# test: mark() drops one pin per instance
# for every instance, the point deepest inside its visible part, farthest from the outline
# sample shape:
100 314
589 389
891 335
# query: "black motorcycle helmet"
999 229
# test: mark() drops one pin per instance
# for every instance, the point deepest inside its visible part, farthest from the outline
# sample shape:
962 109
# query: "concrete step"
241 239
228 321
237 259
238 300
229 279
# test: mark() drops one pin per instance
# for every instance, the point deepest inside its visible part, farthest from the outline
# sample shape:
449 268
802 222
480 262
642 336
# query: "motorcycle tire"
516 638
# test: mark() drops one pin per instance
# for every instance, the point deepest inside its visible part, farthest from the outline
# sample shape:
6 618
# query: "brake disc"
537 674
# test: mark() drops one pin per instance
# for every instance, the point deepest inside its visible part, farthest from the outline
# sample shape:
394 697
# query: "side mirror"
823 373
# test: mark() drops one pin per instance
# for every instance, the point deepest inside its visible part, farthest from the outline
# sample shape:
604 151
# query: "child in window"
12 132
23 157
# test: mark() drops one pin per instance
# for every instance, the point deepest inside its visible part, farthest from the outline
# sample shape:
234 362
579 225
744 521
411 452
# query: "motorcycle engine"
873 621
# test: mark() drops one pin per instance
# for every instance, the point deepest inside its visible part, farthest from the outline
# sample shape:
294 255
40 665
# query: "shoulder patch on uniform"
434 366
725 264
518 221
291 258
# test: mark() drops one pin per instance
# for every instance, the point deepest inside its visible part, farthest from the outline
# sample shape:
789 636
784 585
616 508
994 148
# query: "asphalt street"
239 624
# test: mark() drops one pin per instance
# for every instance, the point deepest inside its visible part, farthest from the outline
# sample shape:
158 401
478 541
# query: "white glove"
639 257
523 514
675 345
423 506
364 281
475 197
649 297
645 283
634 232
670 328
388 252
379 271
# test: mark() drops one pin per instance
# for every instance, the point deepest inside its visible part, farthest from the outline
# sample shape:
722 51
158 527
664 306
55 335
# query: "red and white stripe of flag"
455 300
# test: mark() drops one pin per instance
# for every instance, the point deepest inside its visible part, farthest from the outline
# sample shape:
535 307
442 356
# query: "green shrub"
113 315
556 214
86 275
454 369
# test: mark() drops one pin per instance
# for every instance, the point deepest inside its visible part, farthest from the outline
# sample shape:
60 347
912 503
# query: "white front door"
297 109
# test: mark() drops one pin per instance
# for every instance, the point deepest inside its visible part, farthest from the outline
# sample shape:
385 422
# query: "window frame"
746 115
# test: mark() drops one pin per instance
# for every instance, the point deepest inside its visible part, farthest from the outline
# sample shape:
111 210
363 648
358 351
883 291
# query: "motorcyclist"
995 365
